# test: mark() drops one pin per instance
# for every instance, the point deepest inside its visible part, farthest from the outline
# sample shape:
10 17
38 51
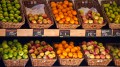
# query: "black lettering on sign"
90 33
38 32
106 33
116 33
11 32
64 33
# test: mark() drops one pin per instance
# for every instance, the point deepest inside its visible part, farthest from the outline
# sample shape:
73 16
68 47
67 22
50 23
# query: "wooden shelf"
59 33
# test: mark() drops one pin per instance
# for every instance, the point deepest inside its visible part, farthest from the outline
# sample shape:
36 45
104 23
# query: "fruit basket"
41 53
14 54
11 18
89 21
64 14
115 52
68 55
41 23
112 16
96 54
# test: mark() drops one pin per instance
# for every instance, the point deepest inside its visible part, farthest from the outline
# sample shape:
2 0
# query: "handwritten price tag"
116 33
38 32
106 33
64 33
11 32
90 33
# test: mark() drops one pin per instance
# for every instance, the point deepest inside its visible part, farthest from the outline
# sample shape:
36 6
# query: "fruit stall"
59 33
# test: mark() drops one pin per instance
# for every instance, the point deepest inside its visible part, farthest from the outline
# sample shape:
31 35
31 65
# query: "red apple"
97 56
33 21
37 45
102 56
95 21
44 15
39 21
31 51
108 56
33 47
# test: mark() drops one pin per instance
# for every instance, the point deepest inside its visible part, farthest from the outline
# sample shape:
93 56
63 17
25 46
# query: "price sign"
116 33
106 33
64 33
11 32
38 32
90 33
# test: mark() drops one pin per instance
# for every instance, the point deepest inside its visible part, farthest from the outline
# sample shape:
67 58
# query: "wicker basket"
11 24
64 26
28 3
70 62
111 25
12 63
98 62
90 4
43 62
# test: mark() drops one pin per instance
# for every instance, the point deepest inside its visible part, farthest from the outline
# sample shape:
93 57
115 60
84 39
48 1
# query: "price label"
38 32
11 32
90 33
116 32
105 33
64 33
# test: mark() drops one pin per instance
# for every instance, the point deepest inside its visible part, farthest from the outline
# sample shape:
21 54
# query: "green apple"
11 18
4 20
5 14
5 51
116 13
14 48
25 51
117 21
4 45
3 2
110 11
15 40
19 57
4 5
1 50
11 51
15 9
10 8
10 55
7 18
111 19
19 18
114 3
106 9
20 53
5 56
14 58
17 6
15 21
16 15
112 16
15 54
10 42
11 15
25 56
17 12
110 8
1 17
9 5
16 1
5 9
11 12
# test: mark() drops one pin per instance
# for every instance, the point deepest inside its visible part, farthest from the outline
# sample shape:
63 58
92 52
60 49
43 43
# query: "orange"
70 47
72 21
66 2
66 45
76 48
53 5
79 56
60 7
58 18
60 13
59 51
71 8
75 18
66 22
63 19
62 56
73 50
60 48
55 11
61 16
59 10
64 5
54 8
72 43
69 12
67 9
63 10
76 22
70 4
75 55
67 57
65 14
74 12
67 18
64 42
56 15
60 45
67 50
56 45
64 53
70 54
61 22
70 15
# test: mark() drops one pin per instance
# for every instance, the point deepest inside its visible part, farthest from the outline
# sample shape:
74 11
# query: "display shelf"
60 32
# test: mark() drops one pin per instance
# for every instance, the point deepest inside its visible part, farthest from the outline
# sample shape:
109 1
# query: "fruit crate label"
38 32
106 33
90 33
116 33
11 32
64 33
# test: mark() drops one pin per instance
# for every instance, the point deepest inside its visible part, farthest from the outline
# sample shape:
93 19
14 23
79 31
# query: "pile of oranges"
64 12
68 50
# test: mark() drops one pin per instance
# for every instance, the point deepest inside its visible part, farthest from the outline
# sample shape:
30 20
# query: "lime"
11 18
17 6
15 21
1 17
5 9
7 18
3 5
19 18
16 1
4 20
16 15
3 2
11 15
9 5
15 9
5 14
17 12
9 8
